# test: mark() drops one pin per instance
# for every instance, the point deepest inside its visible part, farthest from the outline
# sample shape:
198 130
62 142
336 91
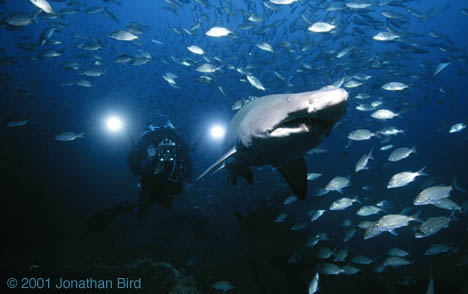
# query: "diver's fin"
295 173
218 162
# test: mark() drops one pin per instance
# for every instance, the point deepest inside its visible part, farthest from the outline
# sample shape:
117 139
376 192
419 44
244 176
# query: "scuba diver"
162 161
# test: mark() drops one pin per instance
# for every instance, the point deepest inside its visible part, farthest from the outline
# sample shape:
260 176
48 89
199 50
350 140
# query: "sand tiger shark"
278 130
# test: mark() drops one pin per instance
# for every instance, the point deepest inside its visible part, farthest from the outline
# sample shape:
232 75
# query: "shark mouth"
300 125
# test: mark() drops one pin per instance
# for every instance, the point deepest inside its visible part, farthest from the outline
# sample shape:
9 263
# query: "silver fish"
337 184
343 203
404 178
432 225
349 234
385 36
330 269
281 217
314 283
394 86
218 32
350 270
360 134
122 35
435 249
43 5
384 114
290 200
457 128
223 285
361 260
312 176
321 27
440 67
394 261
341 255
401 153
324 253
255 82
389 223
317 214
68 136
397 252
17 123
362 163
368 210
432 194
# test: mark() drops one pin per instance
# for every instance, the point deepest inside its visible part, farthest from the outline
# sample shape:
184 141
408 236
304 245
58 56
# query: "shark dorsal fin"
218 162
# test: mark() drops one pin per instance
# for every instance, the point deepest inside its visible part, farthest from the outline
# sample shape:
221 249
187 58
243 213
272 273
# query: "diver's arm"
146 166
138 160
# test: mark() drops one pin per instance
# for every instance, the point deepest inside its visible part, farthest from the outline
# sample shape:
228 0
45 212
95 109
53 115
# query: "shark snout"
324 99
327 103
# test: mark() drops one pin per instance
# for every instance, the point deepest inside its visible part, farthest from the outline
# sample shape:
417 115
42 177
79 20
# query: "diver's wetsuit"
161 176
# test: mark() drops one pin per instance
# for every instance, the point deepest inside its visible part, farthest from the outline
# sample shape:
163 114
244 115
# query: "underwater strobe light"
217 132
114 124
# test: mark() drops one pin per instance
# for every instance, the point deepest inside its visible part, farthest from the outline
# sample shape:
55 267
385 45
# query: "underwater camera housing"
167 150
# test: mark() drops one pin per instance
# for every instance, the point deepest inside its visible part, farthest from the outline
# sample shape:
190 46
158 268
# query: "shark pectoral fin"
295 173
243 171
218 162
233 175
246 173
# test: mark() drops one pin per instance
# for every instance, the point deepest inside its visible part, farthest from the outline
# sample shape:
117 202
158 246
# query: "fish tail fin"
415 217
321 192
414 150
452 215
393 232
35 15
80 135
421 172
454 249
455 185
370 154
357 200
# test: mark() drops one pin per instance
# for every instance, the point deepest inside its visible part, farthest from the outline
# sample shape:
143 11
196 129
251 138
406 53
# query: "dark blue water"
49 189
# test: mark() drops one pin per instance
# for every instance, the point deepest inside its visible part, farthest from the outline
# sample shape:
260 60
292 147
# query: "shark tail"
218 162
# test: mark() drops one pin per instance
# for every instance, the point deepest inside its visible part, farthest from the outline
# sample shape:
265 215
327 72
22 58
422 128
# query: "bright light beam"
114 124
217 132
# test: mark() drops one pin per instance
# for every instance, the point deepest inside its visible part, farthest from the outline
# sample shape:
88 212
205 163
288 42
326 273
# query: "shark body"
278 130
